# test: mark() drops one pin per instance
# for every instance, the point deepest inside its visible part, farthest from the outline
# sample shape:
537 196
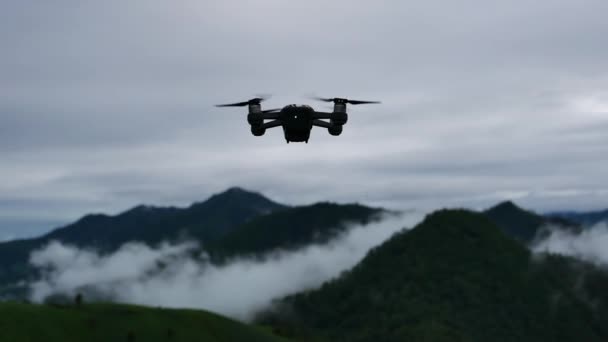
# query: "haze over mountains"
306 270
583 218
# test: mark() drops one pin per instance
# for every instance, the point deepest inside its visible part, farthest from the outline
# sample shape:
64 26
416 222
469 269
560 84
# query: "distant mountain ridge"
230 223
524 225
204 221
583 218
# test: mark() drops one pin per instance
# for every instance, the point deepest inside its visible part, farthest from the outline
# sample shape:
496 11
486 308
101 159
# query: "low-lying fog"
238 289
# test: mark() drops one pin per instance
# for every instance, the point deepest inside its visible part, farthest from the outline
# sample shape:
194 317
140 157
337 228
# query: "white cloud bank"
589 245
237 289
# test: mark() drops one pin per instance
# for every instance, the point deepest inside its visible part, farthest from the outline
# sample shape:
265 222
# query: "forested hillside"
454 277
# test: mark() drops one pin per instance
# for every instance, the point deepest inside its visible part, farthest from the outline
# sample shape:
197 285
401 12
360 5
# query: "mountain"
114 322
204 221
235 222
293 228
521 224
515 221
583 218
454 277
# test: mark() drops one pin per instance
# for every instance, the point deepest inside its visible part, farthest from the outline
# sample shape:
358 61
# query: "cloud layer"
589 245
238 289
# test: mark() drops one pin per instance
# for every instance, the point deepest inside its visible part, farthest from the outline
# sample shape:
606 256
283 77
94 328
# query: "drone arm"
321 123
321 115
271 124
270 116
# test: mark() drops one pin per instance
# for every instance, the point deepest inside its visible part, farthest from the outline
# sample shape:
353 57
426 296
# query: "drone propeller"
340 100
255 100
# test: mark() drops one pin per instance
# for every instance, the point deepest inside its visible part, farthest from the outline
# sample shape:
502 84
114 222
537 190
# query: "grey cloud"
114 101
589 245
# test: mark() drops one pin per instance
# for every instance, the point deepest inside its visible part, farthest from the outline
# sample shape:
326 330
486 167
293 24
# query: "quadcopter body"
297 120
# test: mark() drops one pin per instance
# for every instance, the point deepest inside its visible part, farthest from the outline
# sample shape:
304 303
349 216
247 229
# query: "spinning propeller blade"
255 100
341 100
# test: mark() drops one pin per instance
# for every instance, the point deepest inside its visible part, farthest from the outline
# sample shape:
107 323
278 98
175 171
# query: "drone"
297 120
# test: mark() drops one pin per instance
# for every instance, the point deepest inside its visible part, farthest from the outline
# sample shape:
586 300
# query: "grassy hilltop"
117 322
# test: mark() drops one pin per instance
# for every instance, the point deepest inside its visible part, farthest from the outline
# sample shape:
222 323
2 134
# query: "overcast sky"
108 104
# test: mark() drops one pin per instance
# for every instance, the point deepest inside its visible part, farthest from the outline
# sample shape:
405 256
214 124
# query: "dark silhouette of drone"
297 120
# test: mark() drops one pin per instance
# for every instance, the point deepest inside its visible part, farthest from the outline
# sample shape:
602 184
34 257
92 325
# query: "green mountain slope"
293 228
113 322
454 277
